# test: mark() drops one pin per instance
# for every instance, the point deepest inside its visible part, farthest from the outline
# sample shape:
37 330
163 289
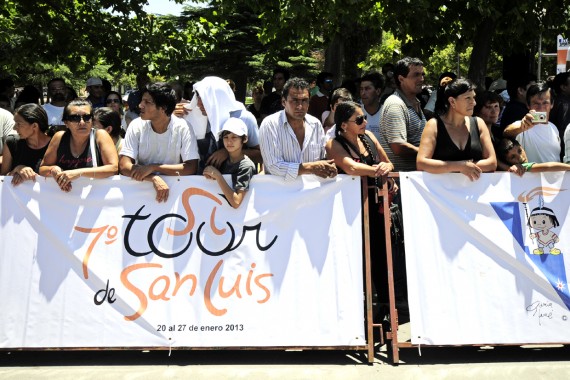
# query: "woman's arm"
426 163
6 160
512 130
489 161
342 159
50 157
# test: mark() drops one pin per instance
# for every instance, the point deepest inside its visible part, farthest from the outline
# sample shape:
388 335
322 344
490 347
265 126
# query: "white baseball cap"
234 125
94 82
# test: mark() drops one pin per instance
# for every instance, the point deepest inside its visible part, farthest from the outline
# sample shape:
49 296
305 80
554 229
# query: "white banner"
486 260
106 265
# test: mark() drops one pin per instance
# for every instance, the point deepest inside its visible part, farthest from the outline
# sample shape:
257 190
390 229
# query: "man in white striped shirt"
291 141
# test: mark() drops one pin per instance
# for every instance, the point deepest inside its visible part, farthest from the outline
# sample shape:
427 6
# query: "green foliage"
387 51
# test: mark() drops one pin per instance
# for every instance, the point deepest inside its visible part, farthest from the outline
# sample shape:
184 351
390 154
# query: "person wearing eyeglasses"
94 87
114 101
402 120
158 144
357 152
538 136
455 141
80 150
320 101
293 142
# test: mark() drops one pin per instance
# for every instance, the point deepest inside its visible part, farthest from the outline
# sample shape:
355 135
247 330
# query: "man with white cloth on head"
217 103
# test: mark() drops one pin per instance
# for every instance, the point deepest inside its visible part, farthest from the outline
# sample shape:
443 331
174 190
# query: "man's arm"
518 127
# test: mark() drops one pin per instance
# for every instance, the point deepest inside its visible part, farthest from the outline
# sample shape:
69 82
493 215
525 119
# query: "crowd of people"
382 122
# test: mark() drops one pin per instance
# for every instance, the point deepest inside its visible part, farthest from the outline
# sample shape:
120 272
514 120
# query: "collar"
405 99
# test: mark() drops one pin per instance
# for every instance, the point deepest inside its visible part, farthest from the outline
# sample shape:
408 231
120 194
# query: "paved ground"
513 363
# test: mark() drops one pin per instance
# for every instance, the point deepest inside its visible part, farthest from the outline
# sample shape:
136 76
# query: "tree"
233 48
69 34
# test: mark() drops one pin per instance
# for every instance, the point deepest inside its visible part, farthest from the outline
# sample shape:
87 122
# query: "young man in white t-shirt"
57 93
158 143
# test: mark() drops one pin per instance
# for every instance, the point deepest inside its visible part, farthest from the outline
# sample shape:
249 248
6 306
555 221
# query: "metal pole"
539 56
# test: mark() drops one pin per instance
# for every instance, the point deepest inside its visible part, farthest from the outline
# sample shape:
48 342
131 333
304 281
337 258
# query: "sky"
164 7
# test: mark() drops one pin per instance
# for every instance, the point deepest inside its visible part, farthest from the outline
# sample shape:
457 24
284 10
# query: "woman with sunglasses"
114 102
454 141
23 153
357 152
81 150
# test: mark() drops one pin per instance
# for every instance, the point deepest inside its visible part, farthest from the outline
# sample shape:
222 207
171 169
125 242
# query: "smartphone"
538 117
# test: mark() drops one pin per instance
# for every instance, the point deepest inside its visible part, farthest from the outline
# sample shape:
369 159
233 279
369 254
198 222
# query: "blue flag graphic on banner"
552 266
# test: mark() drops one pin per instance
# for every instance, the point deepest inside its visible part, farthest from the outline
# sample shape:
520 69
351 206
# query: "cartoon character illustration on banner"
543 220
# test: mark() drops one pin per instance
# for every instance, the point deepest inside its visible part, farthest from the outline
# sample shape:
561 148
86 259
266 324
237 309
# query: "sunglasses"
113 101
77 118
359 120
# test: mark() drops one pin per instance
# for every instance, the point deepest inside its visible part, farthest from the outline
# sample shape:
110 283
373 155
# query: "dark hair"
537 89
34 113
547 212
4 98
559 80
484 97
178 90
79 102
30 94
451 89
258 87
340 93
521 81
375 78
503 147
106 85
402 67
108 117
343 113
243 137
116 94
322 76
162 95
298 83
55 80
71 93
6 83
281 70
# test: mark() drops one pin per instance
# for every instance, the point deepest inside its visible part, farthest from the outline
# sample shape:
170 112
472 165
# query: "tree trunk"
481 51
334 58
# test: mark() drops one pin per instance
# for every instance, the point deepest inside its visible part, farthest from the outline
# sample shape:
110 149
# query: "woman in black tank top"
454 141
80 150
23 153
